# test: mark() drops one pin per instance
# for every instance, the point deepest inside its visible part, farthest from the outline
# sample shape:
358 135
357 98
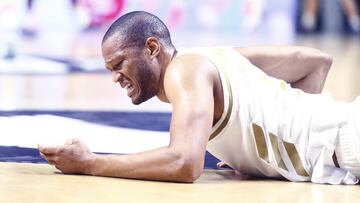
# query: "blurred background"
51 63
50 55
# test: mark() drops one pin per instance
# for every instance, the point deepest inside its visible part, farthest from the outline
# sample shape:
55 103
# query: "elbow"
189 171
325 62
319 59
190 175
323 68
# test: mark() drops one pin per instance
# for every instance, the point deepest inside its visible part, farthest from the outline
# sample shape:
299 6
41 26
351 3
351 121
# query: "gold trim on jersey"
230 106
262 150
295 159
277 154
260 142
336 163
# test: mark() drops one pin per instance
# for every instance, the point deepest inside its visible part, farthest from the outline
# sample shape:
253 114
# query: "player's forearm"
313 82
160 164
269 58
303 67
266 57
313 70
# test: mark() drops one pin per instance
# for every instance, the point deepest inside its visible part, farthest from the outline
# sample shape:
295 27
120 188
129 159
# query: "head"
136 49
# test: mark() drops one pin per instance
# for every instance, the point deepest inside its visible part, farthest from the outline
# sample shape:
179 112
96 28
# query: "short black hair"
135 27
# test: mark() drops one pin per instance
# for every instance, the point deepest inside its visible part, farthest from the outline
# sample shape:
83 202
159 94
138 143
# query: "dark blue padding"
30 155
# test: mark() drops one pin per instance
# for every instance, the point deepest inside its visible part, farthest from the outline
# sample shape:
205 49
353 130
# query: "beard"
148 83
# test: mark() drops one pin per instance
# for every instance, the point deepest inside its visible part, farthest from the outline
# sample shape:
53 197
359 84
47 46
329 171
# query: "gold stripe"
336 163
275 147
229 110
295 159
260 142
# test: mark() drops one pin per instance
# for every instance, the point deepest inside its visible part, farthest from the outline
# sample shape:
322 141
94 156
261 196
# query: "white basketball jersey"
269 129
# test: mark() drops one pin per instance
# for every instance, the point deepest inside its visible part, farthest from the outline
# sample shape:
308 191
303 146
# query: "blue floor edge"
156 121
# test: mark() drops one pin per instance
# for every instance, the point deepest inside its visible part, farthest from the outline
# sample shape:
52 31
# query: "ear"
153 47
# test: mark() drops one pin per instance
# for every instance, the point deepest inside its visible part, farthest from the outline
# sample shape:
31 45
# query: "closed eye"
118 65
114 68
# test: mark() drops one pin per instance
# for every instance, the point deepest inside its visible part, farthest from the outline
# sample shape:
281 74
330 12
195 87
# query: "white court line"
29 131
24 64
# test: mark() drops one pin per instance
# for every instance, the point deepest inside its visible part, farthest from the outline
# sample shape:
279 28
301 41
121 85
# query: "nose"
116 76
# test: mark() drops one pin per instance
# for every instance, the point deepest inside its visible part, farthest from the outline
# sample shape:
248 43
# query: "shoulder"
189 72
190 66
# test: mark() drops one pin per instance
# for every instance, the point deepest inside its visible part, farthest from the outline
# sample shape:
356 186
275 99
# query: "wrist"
89 164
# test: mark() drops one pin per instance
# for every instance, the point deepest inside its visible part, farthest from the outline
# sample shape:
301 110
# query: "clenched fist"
71 158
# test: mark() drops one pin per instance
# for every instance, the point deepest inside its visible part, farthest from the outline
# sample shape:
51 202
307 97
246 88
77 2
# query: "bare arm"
304 68
191 95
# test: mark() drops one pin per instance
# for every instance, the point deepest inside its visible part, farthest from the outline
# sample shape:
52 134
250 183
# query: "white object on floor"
49 130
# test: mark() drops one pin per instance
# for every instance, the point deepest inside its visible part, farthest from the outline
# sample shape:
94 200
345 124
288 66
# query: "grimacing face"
132 69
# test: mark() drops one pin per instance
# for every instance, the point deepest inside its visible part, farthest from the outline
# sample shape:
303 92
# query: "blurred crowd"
316 15
32 19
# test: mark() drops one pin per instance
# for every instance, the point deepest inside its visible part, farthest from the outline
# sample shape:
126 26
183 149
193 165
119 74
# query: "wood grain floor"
42 183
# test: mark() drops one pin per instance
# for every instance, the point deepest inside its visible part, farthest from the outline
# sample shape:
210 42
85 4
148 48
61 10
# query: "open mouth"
130 89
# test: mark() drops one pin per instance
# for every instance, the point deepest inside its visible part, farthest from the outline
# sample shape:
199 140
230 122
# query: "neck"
168 56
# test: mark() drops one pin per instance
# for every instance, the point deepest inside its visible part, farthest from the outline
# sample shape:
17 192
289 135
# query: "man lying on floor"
226 100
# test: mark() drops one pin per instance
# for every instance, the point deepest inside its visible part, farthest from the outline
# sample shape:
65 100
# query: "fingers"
68 142
49 153
56 149
72 141
221 164
48 149
49 158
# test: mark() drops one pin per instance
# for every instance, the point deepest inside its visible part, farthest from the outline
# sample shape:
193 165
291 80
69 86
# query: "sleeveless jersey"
270 129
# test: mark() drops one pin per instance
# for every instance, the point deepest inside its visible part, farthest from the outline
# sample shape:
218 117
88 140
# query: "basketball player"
228 101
